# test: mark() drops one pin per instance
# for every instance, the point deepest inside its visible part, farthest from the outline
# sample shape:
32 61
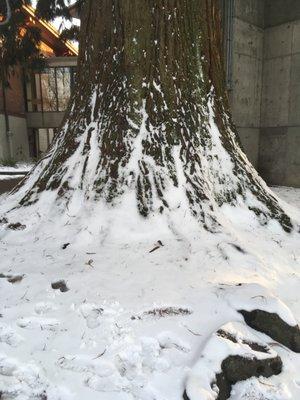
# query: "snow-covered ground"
23 167
136 315
288 194
9 177
16 172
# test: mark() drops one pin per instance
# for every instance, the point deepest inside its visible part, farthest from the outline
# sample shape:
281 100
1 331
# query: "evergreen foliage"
5 20
50 9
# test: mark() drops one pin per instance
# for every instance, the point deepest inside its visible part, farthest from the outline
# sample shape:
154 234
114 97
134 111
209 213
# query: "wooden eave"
50 34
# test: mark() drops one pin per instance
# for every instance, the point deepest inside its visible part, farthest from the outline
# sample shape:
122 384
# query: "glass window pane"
37 97
63 77
33 92
29 92
43 140
48 84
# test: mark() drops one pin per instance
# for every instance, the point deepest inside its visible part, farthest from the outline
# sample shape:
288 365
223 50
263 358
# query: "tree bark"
150 113
3 81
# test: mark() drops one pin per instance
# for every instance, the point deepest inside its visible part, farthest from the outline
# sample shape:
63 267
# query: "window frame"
36 97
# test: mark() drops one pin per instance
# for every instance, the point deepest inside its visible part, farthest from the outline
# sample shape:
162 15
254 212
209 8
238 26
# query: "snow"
10 177
18 168
255 297
104 338
249 391
26 167
218 349
289 194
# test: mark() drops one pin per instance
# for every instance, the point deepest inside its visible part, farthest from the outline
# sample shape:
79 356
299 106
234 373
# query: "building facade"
47 95
33 105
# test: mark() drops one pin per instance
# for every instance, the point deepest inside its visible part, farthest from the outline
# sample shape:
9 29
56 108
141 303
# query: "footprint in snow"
114 383
7 365
92 314
167 340
101 375
9 336
50 324
25 381
44 308
85 364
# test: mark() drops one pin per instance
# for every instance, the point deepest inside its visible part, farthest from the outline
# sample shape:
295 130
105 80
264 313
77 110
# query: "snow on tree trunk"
149 116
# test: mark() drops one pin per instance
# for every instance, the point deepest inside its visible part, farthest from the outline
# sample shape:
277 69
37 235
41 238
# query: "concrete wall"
279 155
265 93
4 150
245 94
18 146
278 12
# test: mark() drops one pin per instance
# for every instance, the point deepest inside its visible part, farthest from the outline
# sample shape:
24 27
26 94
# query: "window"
63 82
50 90
43 138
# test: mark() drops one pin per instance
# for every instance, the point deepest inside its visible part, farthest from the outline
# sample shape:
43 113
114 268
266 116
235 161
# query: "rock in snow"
272 325
231 355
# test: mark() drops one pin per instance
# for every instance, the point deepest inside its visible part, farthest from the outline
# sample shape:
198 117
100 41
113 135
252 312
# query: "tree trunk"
3 80
150 115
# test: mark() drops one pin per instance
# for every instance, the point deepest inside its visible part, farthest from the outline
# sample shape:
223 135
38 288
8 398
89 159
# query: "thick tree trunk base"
150 117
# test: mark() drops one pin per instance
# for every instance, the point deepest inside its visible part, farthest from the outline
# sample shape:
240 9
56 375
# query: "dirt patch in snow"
12 279
60 285
163 312
16 226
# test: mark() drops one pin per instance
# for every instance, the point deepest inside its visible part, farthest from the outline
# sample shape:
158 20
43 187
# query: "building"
34 104
262 40
262 52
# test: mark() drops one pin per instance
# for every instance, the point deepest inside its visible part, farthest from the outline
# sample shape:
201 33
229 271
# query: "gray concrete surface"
17 146
279 155
265 95
251 11
247 67
279 12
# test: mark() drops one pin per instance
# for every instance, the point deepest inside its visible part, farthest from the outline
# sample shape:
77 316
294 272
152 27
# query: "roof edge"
50 28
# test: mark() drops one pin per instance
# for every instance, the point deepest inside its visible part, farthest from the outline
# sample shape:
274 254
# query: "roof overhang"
50 33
